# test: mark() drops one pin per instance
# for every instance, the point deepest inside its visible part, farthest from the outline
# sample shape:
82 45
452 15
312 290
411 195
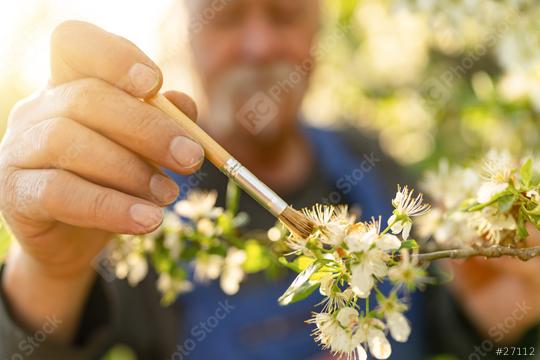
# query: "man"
78 164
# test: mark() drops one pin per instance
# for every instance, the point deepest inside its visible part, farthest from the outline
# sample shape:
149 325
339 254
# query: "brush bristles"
297 222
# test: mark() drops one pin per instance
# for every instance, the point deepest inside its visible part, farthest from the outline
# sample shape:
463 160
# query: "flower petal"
406 230
327 282
361 281
361 240
398 325
376 263
397 227
361 353
388 242
378 344
488 189
347 316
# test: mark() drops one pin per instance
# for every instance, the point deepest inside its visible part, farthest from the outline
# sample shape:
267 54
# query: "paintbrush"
293 219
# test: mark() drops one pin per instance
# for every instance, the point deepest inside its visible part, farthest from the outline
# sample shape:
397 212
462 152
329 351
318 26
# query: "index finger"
82 50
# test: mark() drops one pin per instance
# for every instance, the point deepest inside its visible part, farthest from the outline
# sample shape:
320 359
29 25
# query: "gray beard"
236 89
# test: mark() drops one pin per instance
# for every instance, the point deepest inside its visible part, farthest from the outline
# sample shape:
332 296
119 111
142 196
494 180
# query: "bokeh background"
427 78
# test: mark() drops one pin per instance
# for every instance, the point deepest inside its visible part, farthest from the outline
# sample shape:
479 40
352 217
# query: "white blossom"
347 317
333 298
388 242
362 239
233 273
198 204
379 346
406 204
206 227
361 280
208 267
405 207
338 338
331 221
449 186
398 325
393 309
492 225
138 268
274 234
171 223
172 243
327 282
498 167
490 189
407 272
328 330
167 284
451 229
371 263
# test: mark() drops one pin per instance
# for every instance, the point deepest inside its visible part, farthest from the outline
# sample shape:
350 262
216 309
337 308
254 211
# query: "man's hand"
78 163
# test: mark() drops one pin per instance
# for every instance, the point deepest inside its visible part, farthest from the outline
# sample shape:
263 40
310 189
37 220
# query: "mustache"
252 78
240 84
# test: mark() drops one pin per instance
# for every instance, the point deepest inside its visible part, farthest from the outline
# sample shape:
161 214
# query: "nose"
260 44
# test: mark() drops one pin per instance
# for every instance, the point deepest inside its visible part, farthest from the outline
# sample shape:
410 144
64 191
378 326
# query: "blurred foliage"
120 352
5 240
444 357
432 78
428 78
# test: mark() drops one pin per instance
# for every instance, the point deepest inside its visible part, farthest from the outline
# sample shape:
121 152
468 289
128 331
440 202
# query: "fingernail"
143 78
163 189
146 215
186 152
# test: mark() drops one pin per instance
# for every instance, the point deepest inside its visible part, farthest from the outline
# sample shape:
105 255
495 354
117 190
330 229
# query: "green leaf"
444 357
225 223
189 252
525 173
298 264
162 264
5 241
179 273
506 202
233 197
302 292
522 230
534 219
535 211
301 287
257 258
409 244
161 260
477 206
283 261
120 352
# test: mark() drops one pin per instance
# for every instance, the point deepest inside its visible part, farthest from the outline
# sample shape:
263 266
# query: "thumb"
81 50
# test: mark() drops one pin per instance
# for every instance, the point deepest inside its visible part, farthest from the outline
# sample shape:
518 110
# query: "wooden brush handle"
222 159
213 151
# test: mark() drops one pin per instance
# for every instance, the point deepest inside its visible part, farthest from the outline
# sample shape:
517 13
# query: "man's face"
254 58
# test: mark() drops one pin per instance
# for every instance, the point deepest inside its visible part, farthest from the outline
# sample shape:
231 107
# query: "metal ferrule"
254 187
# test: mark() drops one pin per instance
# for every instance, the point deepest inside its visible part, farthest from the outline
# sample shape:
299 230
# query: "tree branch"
523 254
